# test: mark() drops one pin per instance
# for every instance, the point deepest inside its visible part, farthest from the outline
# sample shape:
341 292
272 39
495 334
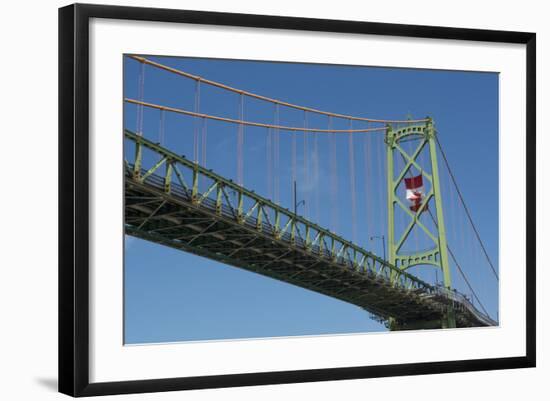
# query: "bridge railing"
461 299
204 188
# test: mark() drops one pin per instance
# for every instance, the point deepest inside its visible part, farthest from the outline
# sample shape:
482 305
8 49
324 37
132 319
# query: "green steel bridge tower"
437 256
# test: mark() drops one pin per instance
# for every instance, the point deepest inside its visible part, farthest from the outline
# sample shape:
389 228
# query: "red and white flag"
415 191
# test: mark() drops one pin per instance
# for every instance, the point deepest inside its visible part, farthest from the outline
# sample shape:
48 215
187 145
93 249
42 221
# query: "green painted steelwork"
255 234
437 256
339 247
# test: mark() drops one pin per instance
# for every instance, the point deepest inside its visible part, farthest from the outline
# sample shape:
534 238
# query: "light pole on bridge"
296 203
383 238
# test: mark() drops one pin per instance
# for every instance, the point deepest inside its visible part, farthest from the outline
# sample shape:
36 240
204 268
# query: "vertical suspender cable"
367 172
161 138
161 128
316 178
380 174
141 90
240 141
204 140
276 154
333 179
293 157
269 160
351 159
196 121
306 169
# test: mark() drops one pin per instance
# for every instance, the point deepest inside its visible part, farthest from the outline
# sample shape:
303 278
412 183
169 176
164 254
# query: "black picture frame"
74 198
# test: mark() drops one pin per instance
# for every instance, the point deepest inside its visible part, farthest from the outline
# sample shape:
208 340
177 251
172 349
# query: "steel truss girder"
216 228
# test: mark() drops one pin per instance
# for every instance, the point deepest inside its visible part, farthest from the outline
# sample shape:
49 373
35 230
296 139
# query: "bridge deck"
177 215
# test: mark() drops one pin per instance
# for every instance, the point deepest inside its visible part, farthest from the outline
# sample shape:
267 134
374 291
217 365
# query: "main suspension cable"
249 123
264 98
461 271
466 208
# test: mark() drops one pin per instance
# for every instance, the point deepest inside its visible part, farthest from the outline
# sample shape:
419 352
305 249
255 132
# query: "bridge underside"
174 220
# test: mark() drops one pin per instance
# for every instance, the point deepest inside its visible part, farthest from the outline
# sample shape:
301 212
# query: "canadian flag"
415 192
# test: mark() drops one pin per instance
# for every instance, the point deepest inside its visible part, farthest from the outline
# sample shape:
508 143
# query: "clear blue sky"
174 296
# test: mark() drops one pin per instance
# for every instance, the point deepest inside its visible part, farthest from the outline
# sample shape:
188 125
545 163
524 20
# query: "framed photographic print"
249 199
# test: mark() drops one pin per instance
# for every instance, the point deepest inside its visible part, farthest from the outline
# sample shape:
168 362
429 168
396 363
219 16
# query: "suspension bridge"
180 202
